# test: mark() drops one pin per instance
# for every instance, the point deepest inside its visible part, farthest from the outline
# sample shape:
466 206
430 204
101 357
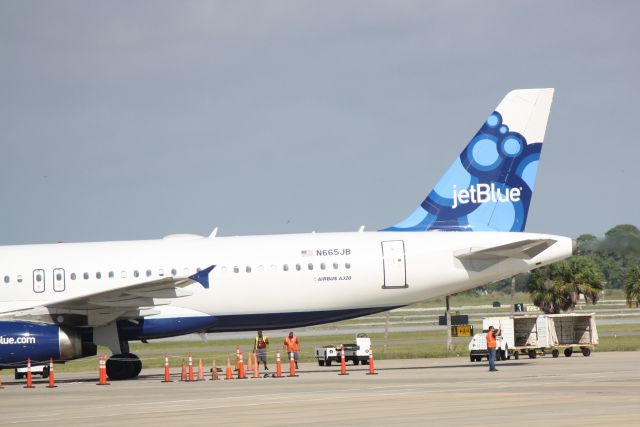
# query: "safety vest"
491 339
291 343
265 339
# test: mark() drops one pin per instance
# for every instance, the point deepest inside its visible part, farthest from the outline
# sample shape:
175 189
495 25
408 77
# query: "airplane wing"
478 259
128 302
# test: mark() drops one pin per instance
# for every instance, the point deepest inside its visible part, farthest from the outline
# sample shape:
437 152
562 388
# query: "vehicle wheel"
516 355
123 366
568 352
18 376
472 358
586 351
356 361
555 352
45 372
328 363
321 362
364 362
532 354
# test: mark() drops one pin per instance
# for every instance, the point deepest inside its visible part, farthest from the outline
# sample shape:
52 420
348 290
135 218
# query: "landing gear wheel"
532 354
568 352
516 355
123 366
586 351
555 352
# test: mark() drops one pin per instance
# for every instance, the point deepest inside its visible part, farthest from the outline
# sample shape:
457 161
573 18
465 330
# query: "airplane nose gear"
123 366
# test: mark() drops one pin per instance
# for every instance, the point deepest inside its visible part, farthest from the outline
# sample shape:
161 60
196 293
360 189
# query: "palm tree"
631 285
557 287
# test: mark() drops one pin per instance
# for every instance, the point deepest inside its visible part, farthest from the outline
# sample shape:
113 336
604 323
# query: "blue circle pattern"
494 156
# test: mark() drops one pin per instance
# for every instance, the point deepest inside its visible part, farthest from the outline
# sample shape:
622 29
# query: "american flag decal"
308 252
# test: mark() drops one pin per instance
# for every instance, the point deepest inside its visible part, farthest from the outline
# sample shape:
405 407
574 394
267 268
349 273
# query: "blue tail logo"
489 186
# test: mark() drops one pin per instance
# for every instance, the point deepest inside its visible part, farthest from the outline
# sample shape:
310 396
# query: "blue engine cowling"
20 340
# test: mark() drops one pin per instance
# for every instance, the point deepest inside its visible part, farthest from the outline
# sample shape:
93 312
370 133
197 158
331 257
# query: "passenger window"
248 269
6 279
174 271
347 265
136 273
86 276
58 277
310 266
198 270
98 275
285 267
73 276
236 269
298 267
323 266
161 272
335 265
148 273
111 275
38 278
19 279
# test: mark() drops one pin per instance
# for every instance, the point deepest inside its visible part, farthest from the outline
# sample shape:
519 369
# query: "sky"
129 120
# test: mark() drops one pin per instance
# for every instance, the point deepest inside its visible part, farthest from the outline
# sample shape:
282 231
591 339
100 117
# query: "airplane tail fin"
489 186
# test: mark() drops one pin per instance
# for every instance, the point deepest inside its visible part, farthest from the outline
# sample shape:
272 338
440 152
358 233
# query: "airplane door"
58 279
38 281
395 272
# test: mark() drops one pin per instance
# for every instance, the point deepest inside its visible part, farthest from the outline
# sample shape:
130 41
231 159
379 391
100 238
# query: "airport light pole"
448 313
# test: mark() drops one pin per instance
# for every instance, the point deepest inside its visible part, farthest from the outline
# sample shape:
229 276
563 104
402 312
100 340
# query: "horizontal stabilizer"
478 259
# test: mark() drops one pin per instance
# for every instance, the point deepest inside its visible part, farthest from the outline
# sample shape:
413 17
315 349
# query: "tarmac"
603 389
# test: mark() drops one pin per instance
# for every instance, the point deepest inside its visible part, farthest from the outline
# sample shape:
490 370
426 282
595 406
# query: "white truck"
536 334
42 370
356 353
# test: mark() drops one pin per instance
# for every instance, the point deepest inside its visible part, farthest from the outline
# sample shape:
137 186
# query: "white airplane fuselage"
263 282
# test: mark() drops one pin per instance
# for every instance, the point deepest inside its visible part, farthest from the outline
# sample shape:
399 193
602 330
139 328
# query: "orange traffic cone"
190 367
238 358
200 371
343 363
29 376
241 374
183 374
256 367
372 369
278 366
214 371
229 373
292 366
102 374
52 381
167 373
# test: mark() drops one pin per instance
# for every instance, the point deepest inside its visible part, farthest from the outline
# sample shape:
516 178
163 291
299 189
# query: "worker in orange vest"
292 345
491 347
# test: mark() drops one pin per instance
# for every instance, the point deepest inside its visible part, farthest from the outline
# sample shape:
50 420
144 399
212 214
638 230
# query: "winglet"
202 276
